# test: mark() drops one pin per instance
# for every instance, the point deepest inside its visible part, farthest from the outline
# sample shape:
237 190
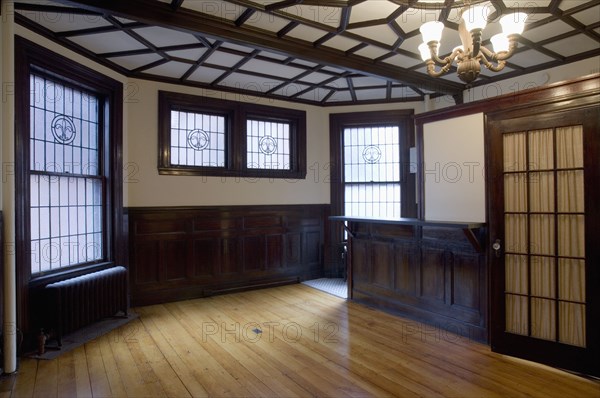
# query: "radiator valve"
42 337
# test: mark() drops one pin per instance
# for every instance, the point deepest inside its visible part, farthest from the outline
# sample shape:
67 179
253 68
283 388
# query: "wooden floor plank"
286 341
83 387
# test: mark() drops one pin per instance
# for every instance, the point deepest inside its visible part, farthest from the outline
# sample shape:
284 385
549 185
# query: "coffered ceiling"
322 52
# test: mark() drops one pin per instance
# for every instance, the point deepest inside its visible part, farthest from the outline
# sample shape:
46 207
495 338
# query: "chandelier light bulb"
500 42
475 17
513 24
431 31
425 51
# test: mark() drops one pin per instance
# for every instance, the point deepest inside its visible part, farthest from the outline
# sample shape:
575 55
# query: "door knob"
497 246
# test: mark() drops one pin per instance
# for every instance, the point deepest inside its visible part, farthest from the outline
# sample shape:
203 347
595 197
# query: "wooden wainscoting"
180 253
431 274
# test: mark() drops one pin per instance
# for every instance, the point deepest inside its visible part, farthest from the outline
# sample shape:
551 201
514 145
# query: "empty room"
227 198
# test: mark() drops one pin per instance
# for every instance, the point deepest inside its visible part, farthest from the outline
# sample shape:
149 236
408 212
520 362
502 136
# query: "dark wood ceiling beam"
142 51
248 12
351 88
150 65
235 68
99 29
281 4
175 4
56 9
201 60
287 28
316 86
160 14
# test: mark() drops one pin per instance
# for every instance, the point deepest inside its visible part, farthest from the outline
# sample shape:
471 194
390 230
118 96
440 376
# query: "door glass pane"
543 319
515 158
572 323
541 150
542 277
515 192
545 234
542 234
541 190
570 191
569 147
516 314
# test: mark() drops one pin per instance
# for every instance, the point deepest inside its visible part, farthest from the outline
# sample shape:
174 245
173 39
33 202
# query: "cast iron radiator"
83 300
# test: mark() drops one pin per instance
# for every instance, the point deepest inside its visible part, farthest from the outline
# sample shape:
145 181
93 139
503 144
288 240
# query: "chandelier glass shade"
471 54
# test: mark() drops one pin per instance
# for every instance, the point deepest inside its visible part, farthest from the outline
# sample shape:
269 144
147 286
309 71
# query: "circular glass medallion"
63 129
198 139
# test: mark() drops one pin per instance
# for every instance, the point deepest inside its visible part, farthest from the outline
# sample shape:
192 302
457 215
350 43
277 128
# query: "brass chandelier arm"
494 68
431 68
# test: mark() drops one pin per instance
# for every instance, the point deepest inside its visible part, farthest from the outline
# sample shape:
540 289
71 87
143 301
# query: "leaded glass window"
201 136
66 184
372 171
268 145
197 139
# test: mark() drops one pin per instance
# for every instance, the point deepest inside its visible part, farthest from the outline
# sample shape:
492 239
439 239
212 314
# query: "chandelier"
469 56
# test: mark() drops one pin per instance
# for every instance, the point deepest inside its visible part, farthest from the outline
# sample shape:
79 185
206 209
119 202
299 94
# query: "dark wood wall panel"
431 274
180 253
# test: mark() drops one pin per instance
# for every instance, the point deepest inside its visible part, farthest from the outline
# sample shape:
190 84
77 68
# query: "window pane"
63 127
61 232
373 154
197 139
268 145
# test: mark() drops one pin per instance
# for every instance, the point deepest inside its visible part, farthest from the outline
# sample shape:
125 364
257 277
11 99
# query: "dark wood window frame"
30 58
236 114
404 119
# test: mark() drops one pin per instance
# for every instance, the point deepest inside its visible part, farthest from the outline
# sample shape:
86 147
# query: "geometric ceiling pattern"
320 52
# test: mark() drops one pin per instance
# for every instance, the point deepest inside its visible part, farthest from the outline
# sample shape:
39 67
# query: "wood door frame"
552 353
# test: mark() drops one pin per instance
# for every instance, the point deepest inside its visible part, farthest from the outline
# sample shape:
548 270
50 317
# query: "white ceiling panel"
403 93
305 63
372 52
321 14
589 16
193 54
369 10
547 31
341 96
248 82
413 18
341 43
265 21
315 95
162 37
573 45
237 47
402 61
339 83
135 61
568 4
291 89
367 81
271 68
381 33
205 75
170 69
371 94
315 78
306 33
223 59
529 58
108 42
524 4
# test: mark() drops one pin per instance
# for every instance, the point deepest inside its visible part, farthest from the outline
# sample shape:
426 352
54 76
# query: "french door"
544 218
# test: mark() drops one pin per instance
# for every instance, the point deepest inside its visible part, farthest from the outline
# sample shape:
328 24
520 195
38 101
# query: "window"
370 153
69 207
372 171
212 137
66 183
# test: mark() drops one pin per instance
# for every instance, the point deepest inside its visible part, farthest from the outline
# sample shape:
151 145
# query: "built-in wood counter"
431 271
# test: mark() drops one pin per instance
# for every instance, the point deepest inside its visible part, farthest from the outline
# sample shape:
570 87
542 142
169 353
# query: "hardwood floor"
284 342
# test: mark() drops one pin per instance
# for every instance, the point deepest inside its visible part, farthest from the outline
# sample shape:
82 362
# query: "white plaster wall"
454 169
146 187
